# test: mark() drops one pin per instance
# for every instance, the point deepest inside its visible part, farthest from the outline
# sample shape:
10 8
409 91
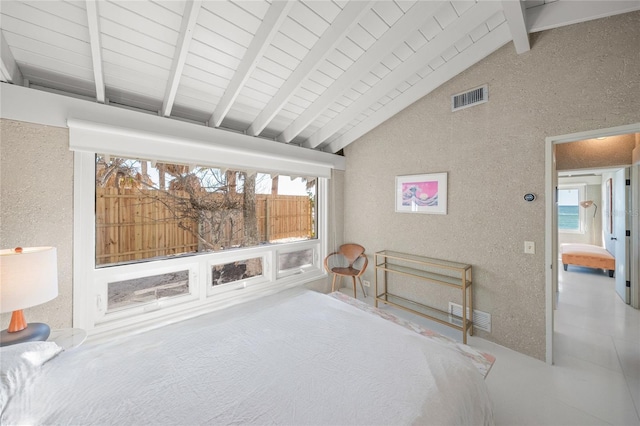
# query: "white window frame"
224 257
290 248
103 276
90 283
581 187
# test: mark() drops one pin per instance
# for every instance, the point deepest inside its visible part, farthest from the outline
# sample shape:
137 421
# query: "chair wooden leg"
354 287
364 293
333 283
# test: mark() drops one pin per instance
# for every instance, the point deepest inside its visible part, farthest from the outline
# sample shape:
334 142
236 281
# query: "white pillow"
18 362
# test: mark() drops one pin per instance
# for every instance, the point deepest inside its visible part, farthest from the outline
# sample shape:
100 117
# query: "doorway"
551 234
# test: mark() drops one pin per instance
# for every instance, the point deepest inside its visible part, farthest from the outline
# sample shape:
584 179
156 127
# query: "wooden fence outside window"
134 224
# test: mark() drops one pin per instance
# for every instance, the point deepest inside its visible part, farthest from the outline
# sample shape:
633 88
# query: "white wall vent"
481 320
470 98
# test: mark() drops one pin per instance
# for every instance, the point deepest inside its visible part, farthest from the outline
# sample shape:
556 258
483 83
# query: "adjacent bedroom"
319 212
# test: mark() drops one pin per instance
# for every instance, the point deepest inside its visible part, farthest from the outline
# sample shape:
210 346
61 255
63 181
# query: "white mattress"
584 248
302 358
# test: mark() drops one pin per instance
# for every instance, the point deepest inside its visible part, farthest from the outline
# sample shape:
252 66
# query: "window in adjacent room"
570 216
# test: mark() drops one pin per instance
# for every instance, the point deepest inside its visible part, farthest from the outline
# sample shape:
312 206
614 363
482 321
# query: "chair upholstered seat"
348 271
348 253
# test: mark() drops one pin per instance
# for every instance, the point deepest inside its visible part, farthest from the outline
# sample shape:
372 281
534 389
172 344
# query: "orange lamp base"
18 322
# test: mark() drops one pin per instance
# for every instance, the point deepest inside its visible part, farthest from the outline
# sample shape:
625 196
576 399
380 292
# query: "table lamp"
28 277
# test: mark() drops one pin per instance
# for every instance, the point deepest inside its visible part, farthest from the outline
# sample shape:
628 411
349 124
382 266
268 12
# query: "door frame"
551 249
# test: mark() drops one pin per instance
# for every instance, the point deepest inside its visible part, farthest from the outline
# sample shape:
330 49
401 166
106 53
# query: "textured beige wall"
575 78
36 208
592 153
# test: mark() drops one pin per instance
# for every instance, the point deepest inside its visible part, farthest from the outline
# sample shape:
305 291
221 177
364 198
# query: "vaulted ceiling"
318 74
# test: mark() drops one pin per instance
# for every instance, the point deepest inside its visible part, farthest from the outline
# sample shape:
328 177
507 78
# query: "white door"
554 227
620 226
634 253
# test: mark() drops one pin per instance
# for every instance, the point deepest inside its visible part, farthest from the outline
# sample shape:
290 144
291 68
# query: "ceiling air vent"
470 98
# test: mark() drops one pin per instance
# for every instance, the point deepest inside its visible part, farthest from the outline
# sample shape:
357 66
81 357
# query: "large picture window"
183 220
146 210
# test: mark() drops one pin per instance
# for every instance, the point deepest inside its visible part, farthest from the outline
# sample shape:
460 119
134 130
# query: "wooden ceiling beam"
340 27
515 13
481 12
388 42
491 42
8 66
268 29
561 13
93 23
189 19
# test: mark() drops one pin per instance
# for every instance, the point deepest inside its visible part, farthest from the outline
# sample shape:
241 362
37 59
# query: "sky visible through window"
568 197
568 209
286 184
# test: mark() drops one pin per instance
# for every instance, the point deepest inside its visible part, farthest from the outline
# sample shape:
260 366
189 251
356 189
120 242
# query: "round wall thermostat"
529 197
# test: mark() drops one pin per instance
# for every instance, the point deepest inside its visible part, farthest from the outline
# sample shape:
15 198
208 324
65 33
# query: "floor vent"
481 320
470 98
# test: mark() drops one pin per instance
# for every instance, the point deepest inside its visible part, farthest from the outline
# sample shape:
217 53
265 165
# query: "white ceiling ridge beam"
479 13
561 13
268 29
93 22
189 20
340 27
388 42
474 54
10 71
515 13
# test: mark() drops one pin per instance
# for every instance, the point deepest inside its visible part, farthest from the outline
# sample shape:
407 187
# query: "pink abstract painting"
420 193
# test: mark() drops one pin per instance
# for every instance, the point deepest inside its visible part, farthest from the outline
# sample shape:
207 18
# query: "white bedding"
18 363
294 359
583 248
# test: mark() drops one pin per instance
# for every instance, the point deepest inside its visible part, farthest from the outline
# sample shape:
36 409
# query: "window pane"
236 271
295 259
568 209
147 289
148 210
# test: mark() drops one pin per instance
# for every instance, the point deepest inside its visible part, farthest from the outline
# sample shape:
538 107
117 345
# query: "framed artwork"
425 193
608 209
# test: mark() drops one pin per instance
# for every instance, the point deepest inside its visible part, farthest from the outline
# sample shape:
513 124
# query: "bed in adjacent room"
588 256
298 357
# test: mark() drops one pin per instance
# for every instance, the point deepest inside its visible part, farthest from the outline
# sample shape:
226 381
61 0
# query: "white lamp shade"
28 278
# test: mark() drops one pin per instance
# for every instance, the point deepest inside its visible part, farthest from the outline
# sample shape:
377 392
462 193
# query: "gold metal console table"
437 271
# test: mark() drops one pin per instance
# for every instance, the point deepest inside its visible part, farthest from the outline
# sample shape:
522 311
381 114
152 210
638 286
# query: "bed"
299 357
587 255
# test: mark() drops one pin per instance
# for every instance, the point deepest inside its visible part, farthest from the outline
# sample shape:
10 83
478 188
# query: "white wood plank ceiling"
318 74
